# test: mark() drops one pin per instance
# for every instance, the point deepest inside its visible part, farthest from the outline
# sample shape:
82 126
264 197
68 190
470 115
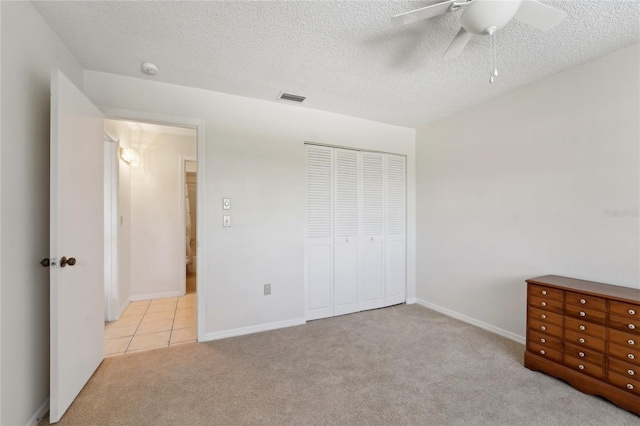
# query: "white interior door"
77 231
395 230
318 259
346 237
371 247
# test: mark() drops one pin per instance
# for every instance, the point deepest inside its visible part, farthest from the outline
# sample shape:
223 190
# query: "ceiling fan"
484 17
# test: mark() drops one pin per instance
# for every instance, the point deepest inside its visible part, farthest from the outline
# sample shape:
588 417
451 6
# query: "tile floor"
150 324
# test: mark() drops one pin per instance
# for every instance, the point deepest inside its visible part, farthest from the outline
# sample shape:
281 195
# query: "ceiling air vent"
291 97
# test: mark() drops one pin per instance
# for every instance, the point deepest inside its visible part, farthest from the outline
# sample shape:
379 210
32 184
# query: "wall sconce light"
130 156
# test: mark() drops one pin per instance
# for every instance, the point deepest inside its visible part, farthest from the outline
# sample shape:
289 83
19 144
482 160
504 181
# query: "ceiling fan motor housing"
481 15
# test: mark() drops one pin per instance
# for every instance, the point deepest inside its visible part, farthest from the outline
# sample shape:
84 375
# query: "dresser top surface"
611 291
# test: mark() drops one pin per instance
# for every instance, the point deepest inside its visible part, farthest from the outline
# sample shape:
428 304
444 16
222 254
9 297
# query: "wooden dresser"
587 334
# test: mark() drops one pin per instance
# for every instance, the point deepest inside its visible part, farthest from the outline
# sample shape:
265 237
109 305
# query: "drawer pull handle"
542 351
543 328
632 312
583 301
631 372
632 327
631 342
544 292
631 356
581 340
543 303
583 328
543 316
543 340
581 367
629 386
581 354
583 314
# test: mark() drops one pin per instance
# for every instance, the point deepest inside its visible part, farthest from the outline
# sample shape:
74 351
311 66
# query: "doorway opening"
151 238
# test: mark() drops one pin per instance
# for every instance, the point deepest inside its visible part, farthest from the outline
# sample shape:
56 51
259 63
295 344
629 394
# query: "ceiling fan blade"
458 44
539 15
423 13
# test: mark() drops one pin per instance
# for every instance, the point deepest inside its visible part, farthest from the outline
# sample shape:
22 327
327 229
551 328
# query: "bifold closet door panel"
395 230
346 236
395 275
319 233
371 247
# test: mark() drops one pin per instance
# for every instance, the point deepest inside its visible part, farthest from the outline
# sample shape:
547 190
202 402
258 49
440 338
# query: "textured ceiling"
344 56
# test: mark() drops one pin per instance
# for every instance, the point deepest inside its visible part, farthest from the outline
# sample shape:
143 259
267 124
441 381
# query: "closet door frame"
389 296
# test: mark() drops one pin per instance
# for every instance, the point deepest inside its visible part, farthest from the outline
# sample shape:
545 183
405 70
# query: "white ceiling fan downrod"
493 54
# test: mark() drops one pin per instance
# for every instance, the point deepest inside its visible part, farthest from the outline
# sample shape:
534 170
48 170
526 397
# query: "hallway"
150 324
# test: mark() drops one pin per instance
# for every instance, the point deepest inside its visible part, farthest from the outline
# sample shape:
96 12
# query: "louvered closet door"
395 230
371 246
345 274
319 233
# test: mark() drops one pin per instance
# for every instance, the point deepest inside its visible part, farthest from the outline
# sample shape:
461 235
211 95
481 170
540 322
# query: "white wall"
518 187
29 50
255 156
157 235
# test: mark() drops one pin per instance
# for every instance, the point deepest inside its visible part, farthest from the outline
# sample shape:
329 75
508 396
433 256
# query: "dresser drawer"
545 352
624 309
583 326
545 316
546 292
628 340
626 369
627 354
588 314
586 301
546 304
546 328
623 382
584 367
632 325
545 340
589 355
584 340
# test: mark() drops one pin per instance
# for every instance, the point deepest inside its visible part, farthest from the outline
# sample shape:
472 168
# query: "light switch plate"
226 203
226 221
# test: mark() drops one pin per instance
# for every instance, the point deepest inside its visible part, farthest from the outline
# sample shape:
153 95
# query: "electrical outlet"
267 289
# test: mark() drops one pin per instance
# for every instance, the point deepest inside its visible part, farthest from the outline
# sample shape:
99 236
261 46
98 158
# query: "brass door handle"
70 261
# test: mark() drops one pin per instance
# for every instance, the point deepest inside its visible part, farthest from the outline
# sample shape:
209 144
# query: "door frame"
183 216
170 120
111 228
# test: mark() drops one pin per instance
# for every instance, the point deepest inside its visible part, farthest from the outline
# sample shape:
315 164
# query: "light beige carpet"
394 366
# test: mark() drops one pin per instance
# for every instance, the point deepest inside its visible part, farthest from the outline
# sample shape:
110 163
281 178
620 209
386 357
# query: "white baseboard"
453 314
39 415
123 307
411 301
217 335
138 297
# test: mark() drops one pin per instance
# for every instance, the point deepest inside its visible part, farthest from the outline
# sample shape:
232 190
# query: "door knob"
70 261
45 262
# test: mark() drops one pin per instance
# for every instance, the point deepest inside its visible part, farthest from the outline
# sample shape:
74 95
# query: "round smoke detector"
149 68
